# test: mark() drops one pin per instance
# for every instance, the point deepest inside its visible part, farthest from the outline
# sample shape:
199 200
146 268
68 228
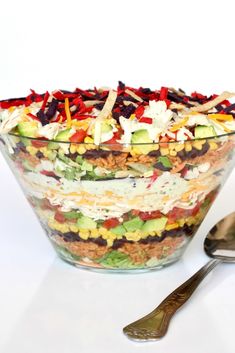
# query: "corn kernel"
179 147
94 233
197 145
84 234
81 149
109 243
73 148
74 228
172 226
88 140
188 147
164 151
32 150
173 153
213 145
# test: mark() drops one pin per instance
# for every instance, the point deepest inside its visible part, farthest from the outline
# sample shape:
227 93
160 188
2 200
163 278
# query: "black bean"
39 154
42 117
96 154
154 153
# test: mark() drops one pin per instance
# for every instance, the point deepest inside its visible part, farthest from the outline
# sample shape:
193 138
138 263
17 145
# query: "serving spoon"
220 245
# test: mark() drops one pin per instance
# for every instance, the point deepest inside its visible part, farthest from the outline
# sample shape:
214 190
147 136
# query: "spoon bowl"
220 246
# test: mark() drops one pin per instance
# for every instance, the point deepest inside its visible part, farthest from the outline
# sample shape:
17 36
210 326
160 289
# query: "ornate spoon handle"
155 324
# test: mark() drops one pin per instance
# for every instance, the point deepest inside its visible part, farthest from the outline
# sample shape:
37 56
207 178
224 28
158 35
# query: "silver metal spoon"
220 245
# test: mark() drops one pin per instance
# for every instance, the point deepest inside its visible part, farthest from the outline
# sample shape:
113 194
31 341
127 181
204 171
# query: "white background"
45 305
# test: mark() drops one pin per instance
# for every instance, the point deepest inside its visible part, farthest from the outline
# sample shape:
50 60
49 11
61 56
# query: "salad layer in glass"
120 179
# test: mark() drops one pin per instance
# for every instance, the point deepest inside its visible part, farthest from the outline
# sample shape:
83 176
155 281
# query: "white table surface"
47 306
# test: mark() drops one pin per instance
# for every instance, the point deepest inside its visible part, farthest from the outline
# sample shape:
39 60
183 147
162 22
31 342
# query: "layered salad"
119 178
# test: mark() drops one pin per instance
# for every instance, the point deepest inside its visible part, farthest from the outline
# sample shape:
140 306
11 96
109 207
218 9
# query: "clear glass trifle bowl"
115 205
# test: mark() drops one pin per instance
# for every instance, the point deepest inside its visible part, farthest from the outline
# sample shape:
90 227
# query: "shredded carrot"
68 114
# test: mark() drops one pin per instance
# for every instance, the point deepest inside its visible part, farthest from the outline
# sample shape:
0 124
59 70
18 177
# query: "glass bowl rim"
103 144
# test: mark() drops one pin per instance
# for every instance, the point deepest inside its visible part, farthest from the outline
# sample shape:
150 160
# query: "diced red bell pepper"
59 217
111 223
163 93
78 136
79 116
145 120
45 101
38 143
139 111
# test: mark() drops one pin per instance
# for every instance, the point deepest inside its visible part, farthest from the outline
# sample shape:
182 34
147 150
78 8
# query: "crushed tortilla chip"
104 113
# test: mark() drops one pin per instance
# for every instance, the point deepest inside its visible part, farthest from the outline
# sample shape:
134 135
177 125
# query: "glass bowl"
120 207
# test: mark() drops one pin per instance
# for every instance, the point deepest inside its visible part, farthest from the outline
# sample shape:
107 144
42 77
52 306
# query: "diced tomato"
111 223
39 144
78 136
59 217
145 120
116 145
178 213
145 216
135 212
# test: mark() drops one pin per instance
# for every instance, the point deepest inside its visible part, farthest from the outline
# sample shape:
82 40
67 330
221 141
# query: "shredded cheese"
105 112
177 126
221 117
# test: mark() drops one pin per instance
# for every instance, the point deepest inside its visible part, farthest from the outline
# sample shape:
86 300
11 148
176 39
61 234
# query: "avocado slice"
63 135
71 215
139 137
133 224
28 128
154 225
204 131
119 230
86 223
